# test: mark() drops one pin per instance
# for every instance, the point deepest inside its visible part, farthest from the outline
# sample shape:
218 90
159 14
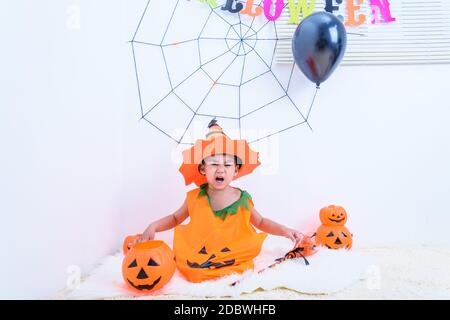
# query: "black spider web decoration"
241 40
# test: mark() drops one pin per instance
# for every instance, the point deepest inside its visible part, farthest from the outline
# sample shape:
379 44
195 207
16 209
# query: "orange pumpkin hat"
217 142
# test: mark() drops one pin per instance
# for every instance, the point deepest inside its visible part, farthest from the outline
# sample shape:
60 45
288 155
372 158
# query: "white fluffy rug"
329 271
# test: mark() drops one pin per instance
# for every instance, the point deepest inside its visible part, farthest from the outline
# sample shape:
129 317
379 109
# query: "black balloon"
318 45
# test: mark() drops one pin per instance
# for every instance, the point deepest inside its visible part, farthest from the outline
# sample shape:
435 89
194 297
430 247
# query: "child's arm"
163 224
274 228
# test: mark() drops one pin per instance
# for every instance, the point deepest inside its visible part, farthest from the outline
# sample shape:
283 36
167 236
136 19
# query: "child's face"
219 170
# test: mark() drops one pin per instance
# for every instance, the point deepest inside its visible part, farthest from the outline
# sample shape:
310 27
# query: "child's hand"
149 234
294 235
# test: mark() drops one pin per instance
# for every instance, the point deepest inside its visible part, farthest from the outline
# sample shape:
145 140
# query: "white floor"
421 272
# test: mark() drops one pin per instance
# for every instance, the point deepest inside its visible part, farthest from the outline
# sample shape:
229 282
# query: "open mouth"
220 179
338 220
145 286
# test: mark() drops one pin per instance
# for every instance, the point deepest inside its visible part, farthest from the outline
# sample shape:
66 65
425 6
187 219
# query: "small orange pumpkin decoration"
332 233
333 216
307 246
148 266
126 243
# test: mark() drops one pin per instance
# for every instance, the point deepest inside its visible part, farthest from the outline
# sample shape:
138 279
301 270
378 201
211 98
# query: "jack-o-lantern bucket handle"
127 242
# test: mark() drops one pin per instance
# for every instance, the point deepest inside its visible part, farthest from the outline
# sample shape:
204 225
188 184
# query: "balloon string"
312 102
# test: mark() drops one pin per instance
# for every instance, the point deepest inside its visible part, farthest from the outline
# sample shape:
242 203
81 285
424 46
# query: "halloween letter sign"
272 9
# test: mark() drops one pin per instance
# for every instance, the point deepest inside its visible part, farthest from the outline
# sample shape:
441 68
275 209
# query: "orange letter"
248 9
351 8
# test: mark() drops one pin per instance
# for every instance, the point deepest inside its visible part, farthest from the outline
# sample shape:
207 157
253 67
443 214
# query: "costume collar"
232 208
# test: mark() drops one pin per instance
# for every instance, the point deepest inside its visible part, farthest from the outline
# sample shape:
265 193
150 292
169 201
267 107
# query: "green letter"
212 3
302 6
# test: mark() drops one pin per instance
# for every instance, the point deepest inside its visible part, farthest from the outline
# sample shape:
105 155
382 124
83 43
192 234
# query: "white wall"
62 92
380 148
79 170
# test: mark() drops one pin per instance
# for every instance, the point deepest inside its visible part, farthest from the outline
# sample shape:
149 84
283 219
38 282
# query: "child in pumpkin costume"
220 238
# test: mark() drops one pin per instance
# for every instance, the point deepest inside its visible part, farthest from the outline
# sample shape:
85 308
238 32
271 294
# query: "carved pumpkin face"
211 260
148 265
333 216
334 237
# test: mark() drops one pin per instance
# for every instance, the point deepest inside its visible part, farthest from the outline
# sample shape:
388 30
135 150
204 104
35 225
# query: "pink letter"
278 8
383 9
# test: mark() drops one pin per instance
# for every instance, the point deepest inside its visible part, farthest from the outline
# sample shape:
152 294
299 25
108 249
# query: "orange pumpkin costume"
215 243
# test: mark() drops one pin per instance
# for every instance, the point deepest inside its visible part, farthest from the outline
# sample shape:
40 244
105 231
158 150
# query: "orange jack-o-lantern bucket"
332 233
334 237
148 266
